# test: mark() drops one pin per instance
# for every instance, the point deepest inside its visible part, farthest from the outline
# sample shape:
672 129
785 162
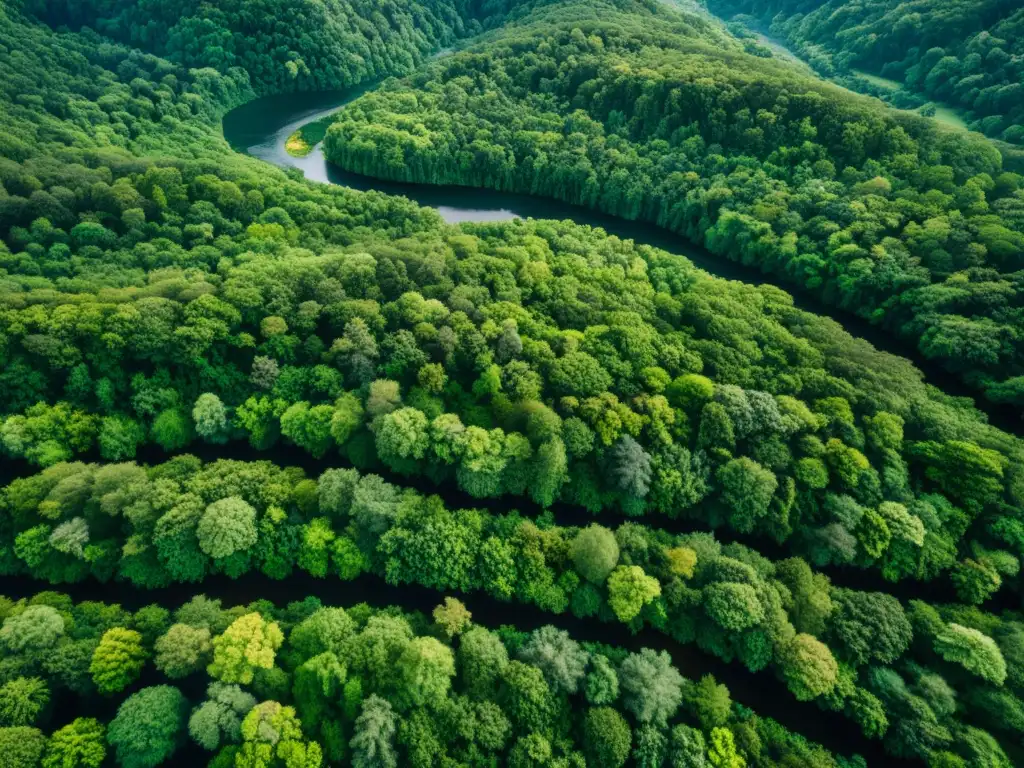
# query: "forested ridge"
157 289
772 422
282 46
885 214
968 54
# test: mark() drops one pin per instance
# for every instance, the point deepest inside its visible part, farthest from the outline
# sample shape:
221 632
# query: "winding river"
261 128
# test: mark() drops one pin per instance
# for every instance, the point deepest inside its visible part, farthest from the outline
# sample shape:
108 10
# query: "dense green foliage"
532 358
211 307
160 293
375 687
860 653
474 358
966 53
282 45
882 213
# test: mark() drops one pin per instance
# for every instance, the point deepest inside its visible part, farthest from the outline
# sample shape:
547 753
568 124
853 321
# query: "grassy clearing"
946 115
881 82
950 117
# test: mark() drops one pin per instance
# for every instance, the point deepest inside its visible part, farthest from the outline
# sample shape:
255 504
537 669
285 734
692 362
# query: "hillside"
967 54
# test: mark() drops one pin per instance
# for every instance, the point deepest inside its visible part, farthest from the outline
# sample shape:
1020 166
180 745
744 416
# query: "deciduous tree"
148 727
250 643
117 660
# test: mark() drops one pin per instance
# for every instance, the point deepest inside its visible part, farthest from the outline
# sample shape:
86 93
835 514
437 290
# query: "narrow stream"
261 128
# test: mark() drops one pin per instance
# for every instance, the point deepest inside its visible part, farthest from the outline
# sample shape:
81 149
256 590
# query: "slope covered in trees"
969 53
531 358
159 290
282 45
879 212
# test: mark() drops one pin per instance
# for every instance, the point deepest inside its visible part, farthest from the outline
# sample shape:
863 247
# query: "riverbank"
263 127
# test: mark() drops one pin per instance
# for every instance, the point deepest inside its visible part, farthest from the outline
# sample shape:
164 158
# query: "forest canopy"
214 373
308 684
850 651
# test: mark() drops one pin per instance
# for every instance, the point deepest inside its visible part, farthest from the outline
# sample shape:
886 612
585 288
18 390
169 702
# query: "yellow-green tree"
250 643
